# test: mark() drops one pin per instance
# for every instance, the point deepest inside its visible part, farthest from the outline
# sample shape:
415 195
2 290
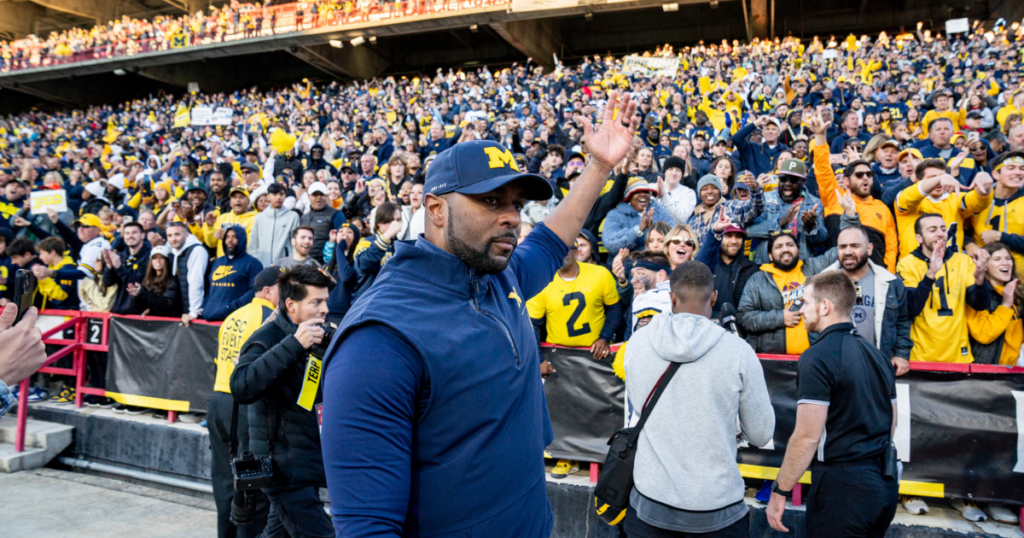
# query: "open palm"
609 143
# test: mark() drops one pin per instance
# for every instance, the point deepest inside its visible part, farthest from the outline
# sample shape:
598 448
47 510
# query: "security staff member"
234 332
454 374
278 378
846 413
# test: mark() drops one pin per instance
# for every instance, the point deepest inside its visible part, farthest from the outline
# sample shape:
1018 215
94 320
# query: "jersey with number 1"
573 310
940 331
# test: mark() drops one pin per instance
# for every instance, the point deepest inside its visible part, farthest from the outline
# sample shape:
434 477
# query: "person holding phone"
22 353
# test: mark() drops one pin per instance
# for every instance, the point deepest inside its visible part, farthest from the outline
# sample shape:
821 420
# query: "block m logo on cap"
500 158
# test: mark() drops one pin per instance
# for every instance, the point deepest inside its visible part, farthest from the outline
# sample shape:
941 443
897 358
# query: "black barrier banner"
585 399
161 364
957 433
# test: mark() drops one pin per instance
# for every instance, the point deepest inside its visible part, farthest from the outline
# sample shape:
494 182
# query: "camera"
250 473
319 350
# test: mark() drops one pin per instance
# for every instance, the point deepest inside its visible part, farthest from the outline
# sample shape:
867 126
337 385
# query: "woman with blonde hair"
681 245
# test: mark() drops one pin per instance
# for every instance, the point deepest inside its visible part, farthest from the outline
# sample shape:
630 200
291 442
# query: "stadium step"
43 442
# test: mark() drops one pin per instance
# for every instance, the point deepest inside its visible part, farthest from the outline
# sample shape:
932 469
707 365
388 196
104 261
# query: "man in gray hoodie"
686 478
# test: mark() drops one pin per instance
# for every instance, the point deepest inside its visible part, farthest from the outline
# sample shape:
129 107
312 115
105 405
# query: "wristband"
777 489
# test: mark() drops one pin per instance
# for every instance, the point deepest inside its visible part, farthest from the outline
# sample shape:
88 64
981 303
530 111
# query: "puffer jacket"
623 223
760 311
268 378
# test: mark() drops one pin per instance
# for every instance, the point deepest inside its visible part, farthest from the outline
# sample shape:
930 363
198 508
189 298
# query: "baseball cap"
974 115
637 184
584 233
240 189
890 143
793 167
734 228
267 277
910 151
251 167
718 140
318 187
89 220
162 250
701 134
195 185
477 167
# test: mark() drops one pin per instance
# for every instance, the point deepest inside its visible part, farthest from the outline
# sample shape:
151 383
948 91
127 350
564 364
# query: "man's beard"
787 266
861 262
477 260
230 251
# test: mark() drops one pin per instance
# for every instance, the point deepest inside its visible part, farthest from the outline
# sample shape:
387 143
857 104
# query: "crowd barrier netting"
958 433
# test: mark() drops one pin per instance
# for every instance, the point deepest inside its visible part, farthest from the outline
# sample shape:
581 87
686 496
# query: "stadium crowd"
231 21
898 160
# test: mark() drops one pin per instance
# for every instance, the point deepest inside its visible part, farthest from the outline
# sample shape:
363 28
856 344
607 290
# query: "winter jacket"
686 455
760 311
370 256
892 317
271 234
622 226
989 332
232 281
269 377
132 271
768 222
60 293
756 157
166 304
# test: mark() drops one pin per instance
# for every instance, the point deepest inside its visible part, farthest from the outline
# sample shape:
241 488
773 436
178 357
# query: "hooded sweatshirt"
271 234
231 281
686 455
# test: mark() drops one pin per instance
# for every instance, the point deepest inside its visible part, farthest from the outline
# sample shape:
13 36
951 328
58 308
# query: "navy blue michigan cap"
481 166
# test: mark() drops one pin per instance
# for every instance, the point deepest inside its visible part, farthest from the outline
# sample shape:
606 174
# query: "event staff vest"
182 273
487 404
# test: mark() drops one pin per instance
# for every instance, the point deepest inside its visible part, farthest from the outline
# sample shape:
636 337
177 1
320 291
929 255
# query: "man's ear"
437 209
675 301
714 298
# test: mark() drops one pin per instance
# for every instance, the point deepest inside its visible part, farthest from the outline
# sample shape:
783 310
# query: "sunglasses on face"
677 240
868 174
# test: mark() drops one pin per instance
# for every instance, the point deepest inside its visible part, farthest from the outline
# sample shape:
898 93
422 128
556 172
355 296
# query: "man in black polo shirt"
846 410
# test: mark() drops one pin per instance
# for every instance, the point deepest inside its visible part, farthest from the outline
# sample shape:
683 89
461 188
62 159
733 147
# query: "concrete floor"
47 502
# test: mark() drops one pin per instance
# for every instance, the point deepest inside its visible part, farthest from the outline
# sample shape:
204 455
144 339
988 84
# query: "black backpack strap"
652 399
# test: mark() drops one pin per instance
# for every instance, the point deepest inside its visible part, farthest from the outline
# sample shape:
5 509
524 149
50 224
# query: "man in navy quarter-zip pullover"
434 417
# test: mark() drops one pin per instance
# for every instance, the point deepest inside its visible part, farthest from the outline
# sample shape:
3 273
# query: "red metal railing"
75 347
287 22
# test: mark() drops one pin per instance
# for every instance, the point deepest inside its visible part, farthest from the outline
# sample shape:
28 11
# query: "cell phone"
25 285
128 219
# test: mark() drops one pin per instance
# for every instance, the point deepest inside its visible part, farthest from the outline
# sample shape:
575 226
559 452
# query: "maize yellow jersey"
574 309
1003 215
940 332
235 330
954 208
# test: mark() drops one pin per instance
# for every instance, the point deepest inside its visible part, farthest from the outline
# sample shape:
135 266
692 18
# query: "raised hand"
980 266
722 223
610 141
1008 293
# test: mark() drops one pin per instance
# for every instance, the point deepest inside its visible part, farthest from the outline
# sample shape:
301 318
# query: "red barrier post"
19 438
172 416
798 496
594 469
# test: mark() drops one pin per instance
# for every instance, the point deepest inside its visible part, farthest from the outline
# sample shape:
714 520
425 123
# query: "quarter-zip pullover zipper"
474 292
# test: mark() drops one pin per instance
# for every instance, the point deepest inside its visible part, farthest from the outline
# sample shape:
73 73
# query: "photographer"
277 375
